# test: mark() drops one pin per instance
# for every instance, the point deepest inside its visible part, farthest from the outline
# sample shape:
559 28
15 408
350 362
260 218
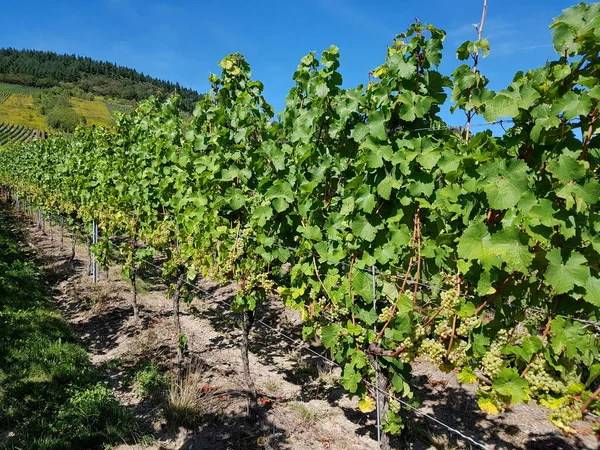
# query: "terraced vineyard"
112 107
18 133
3 96
11 88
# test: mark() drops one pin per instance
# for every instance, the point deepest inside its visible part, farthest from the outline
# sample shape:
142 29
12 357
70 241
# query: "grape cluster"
541 380
467 325
161 236
533 317
492 361
419 331
409 352
566 415
321 301
238 249
339 310
385 314
443 329
432 350
258 281
223 271
458 354
394 405
450 300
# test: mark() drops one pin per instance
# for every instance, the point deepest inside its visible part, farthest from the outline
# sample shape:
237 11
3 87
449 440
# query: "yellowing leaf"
467 376
488 405
367 405
552 402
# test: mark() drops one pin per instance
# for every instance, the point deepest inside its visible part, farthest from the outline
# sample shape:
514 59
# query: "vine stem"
451 336
475 62
417 233
454 319
410 263
589 401
319 276
393 311
495 294
176 299
588 137
432 318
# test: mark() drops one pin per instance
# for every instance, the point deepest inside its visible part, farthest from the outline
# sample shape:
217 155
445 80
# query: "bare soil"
302 407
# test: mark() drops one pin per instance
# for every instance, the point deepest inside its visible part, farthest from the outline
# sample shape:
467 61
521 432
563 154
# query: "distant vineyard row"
10 88
112 107
18 133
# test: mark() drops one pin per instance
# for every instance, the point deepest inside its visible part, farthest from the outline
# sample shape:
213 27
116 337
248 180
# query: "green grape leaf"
330 335
566 168
563 276
509 384
311 232
350 379
402 68
361 227
504 191
593 291
594 372
502 105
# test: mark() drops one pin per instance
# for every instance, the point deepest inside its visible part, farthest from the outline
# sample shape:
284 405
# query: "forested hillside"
49 69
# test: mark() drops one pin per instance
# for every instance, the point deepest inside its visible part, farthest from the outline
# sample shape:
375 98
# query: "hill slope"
56 108
48 69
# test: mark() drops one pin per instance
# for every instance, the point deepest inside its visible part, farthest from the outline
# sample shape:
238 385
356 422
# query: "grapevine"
364 188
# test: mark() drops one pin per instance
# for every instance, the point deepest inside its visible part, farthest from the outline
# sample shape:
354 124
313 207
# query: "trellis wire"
331 362
429 288
374 273
411 281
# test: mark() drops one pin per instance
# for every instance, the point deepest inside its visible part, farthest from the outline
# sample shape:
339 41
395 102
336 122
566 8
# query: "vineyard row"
348 181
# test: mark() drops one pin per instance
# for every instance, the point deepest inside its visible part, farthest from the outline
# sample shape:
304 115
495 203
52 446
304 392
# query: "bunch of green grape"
565 415
492 361
541 380
458 354
450 300
433 350
467 325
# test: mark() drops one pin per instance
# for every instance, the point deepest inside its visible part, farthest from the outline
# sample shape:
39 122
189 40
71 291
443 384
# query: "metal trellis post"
377 402
95 241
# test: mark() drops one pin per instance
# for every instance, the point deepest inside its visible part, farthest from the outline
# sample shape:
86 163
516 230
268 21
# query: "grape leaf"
508 383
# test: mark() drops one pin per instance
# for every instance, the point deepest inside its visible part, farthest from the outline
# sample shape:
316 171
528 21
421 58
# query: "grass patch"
183 403
19 109
272 386
306 413
149 382
51 396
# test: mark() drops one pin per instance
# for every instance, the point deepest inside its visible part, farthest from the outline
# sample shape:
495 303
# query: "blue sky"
184 41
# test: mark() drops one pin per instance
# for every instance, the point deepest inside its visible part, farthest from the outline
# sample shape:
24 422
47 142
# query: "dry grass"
307 413
94 111
100 297
19 109
143 347
272 386
183 404
328 375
